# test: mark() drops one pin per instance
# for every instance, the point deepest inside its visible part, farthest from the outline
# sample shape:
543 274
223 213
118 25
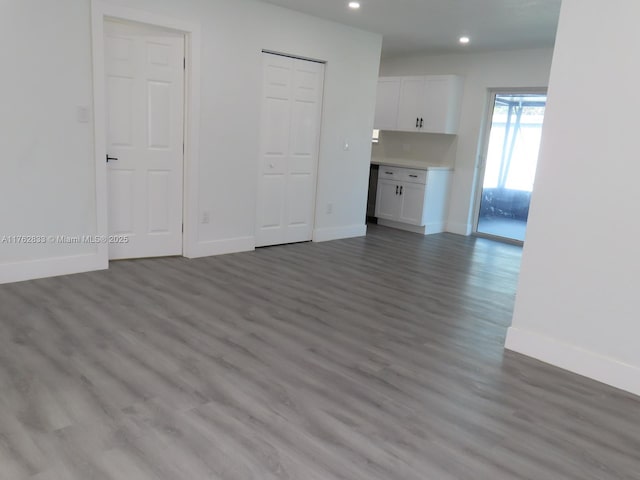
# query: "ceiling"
434 26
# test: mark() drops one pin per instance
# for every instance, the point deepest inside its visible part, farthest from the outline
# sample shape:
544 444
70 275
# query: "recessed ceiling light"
354 5
464 40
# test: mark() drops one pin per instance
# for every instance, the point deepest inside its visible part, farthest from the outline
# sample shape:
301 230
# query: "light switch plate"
83 114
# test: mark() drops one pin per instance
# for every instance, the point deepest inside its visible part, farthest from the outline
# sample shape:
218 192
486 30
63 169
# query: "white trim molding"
51 267
402 226
575 359
429 229
222 247
338 233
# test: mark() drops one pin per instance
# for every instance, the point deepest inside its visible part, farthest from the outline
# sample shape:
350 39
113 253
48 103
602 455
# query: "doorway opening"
510 160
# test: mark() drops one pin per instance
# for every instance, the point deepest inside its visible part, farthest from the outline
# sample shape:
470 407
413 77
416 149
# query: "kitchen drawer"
390 173
414 176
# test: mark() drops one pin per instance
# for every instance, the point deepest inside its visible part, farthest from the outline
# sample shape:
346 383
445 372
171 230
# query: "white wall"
577 304
48 183
482 71
47 180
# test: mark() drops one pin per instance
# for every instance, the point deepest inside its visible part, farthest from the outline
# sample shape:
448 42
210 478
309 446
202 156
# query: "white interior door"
145 121
290 131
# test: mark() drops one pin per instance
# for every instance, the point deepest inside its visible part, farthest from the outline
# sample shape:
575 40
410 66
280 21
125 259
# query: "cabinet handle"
417 123
388 173
396 189
421 122
413 176
401 190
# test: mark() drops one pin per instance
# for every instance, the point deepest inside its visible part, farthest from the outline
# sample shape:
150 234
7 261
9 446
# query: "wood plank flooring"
377 358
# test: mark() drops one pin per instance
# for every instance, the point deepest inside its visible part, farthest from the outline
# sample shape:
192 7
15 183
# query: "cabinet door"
388 200
442 97
411 107
412 203
387 103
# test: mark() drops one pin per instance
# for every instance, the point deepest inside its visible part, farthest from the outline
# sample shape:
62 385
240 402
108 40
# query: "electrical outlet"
206 218
329 208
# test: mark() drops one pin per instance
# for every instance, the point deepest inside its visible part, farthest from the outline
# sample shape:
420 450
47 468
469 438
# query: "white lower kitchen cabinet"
412 199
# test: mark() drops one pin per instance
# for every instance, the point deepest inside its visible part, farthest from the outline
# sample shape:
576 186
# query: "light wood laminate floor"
376 358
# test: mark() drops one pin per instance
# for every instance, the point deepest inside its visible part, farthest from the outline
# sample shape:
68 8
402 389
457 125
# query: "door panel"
120 113
298 202
145 119
271 209
411 103
303 129
278 78
388 97
306 84
272 203
412 204
388 201
120 192
276 129
159 115
159 195
290 133
436 104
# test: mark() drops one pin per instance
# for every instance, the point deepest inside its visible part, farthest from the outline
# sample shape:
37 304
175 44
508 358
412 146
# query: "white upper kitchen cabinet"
387 102
412 104
442 103
426 104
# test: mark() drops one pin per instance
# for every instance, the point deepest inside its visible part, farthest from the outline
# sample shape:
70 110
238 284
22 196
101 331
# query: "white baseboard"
575 359
459 228
402 226
222 247
51 267
338 233
429 229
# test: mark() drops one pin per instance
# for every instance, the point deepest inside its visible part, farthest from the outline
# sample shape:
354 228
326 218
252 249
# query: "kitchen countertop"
405 163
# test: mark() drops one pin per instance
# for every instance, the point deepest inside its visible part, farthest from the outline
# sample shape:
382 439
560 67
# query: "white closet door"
145 117
290 134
